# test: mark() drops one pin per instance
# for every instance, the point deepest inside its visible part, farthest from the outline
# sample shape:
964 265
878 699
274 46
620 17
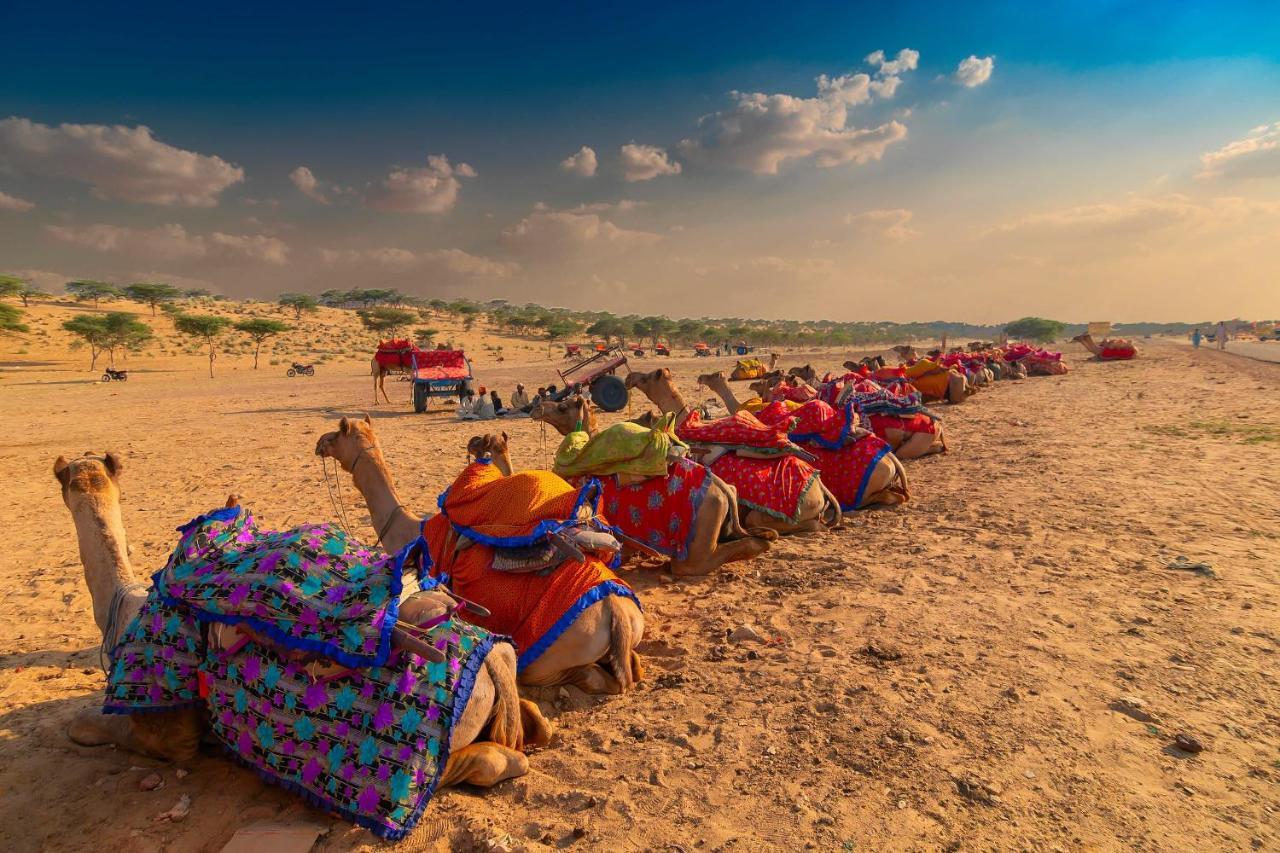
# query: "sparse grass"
1246 433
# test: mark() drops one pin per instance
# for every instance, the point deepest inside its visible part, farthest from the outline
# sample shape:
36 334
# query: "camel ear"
504 436
664 373
344 427
114 464
62 470
366 419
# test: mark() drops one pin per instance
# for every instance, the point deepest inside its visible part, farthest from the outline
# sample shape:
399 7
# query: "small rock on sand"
179 812
745 633
150 782
1135 708
1187 743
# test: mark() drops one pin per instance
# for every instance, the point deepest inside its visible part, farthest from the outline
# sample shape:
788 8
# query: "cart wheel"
124 378
106 377
609 393
311 371
291 373
419 398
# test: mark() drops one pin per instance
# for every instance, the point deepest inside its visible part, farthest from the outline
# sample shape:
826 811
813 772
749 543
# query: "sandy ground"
939 676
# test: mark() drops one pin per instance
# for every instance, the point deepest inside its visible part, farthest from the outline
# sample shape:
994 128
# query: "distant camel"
379 372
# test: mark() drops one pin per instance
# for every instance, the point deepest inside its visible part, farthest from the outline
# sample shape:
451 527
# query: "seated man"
520 400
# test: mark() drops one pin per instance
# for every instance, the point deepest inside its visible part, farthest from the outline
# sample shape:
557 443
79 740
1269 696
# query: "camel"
717 536
871 362
807 373
90 490
904 444
1111 349
605 631
906 352
380 373
817 507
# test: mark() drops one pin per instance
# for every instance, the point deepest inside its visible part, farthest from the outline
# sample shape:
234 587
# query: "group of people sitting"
485 405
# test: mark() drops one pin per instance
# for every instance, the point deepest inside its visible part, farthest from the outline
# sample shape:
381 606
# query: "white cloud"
646 162
621 206
12 202
891 223
583 164
1255 156
759 132
562 232
308 184
454 261
973 72
430 189
1137 217
791 266
172 242
119 162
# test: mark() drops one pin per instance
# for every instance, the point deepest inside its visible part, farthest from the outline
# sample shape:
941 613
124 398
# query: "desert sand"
947 675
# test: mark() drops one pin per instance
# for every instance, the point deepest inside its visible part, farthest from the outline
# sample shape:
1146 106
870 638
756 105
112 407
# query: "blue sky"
1070 180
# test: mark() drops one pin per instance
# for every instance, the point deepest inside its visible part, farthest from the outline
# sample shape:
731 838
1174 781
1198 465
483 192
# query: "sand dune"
937 676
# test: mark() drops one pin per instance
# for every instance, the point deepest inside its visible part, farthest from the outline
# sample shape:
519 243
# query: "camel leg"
537 729
919 444
484 764
382 386
706 553
164 735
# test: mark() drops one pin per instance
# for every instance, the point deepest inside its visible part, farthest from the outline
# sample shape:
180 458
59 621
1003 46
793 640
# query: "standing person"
1222 335
1195 338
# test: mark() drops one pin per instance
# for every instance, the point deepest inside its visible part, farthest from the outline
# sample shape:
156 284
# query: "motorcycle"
115 375
303 369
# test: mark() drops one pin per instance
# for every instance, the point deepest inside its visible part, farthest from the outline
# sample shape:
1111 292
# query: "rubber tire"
311 371
419 398
291 373
609 393
106 377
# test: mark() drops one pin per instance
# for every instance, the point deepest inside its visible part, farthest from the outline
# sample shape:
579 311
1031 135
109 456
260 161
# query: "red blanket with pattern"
658 513
772 486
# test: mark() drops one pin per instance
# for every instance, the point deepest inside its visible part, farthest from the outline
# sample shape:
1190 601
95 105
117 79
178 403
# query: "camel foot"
94 728
593 679
537 730
766 533
484 764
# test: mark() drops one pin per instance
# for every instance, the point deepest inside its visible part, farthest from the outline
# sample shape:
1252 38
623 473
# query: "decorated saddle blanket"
845 458
748 368
1117 351
741 430
930 378
772 486
482 514
657 514
370 742
626 449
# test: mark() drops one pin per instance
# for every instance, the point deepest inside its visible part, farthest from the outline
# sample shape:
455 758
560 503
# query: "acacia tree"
559 329
299 302
87 290
11 319
207 327
1036 329
92 332
259 329
11 285
386 320
152 293
424 338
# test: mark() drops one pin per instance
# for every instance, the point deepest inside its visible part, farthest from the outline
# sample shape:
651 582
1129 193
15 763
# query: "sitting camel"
713 535
815 506
485 742
904 444
605 630
807 373
1111 349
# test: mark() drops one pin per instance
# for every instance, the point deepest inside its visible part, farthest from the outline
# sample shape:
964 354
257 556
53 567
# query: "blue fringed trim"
816 437
866 478
791 519
599 592
175 706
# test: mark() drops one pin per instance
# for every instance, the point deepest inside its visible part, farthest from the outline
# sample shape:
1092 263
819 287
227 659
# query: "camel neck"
389 517
104 553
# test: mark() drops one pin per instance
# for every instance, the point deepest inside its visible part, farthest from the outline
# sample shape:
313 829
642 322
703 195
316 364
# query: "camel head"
565 416
1079 339
652 382
906 352
807 373
765 384
492 447
348 442
89 478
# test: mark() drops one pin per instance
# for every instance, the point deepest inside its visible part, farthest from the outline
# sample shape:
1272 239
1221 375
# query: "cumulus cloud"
549 232
430 189
646 162
583 164
454 261
1257 155
12 202
621 206
172 242
891 223
308 184
119 162
759 132
973 71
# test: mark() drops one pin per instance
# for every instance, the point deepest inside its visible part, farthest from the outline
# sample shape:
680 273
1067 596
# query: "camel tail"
623 659
897 491
507 726
832 516
732 528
